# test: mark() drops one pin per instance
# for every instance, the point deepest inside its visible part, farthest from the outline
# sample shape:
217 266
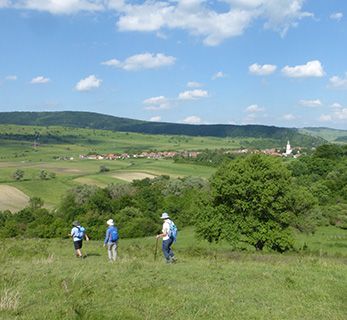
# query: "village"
289 152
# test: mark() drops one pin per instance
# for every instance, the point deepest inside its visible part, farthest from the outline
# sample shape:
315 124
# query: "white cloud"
194 84
289 117
254 108
89 83
325 118
155 119
142 61
310 103
336 105
262 70
310 69
192 120
11 78
40 80
336 16
198 17
338 82
218 75
193 94
59 6
157 103
111 63
4 3
339 114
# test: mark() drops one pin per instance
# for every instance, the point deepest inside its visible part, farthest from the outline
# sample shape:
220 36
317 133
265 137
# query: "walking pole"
156 249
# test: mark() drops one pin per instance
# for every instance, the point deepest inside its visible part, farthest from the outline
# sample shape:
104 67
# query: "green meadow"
56 146
41 279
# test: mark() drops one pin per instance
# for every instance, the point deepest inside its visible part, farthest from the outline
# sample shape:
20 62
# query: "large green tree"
252 201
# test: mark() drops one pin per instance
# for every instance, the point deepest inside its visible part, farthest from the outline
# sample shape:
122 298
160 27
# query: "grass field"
41 279
17 151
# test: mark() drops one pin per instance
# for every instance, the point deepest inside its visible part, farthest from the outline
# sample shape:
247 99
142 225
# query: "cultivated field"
58 152
12 199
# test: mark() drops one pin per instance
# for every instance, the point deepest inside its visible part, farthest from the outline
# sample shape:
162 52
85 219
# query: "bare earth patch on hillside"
12 199
130 176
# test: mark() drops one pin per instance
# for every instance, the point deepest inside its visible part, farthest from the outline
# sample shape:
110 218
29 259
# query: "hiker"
111 240
168 234
78 233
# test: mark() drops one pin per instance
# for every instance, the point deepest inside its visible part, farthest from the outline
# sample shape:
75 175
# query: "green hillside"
331 135
106 122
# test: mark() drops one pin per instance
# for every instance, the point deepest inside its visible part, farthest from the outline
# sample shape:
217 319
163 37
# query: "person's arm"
106 237
86 236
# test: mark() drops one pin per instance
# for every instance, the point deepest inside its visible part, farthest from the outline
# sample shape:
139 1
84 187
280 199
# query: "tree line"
253 201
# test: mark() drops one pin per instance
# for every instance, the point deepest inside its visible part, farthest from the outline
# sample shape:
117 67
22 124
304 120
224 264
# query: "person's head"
76 224
110 222
164 216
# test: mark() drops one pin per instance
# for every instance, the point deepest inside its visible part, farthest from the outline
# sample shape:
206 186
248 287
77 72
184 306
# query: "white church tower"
288 150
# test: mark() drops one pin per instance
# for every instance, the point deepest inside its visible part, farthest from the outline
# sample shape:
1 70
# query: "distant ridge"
79 119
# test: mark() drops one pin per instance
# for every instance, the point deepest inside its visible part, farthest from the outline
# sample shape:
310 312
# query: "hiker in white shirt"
167 240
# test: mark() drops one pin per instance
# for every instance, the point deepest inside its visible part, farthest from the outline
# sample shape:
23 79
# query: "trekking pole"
156 249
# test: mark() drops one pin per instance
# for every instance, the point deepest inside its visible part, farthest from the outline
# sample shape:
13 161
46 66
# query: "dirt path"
12 198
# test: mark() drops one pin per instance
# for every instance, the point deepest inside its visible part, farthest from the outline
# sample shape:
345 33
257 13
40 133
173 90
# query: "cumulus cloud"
254 108
155 119
111 63
89 83
325 118
40 80
339 114
310 103
218 75
336 16
192 120
194 84
142 61
4 3
193 94
197 17
310 69
57 7
157 103
338 82
262 70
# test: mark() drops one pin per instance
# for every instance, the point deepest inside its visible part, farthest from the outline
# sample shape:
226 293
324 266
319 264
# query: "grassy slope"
45 281
326 133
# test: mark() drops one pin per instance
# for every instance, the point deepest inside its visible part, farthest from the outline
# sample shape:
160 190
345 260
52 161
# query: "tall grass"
41 279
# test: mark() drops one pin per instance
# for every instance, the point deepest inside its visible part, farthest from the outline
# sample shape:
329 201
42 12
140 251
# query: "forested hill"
106 122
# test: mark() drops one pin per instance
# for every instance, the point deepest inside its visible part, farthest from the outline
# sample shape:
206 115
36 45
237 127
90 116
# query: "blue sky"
272 62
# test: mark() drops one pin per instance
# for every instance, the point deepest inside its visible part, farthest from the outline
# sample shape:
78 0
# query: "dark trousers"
167 251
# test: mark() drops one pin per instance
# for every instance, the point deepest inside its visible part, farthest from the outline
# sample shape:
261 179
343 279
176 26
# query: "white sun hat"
110 222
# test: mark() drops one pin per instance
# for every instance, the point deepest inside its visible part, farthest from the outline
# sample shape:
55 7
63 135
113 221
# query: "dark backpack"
114 234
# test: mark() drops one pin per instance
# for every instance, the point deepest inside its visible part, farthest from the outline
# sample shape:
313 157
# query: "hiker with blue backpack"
169 235
78 233
111 240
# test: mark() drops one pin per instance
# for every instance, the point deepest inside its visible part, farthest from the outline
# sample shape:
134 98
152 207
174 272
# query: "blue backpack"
114 234
173 231
81 232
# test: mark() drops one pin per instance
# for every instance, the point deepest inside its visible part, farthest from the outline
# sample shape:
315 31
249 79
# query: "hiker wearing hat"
111 240
78 233
168 234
